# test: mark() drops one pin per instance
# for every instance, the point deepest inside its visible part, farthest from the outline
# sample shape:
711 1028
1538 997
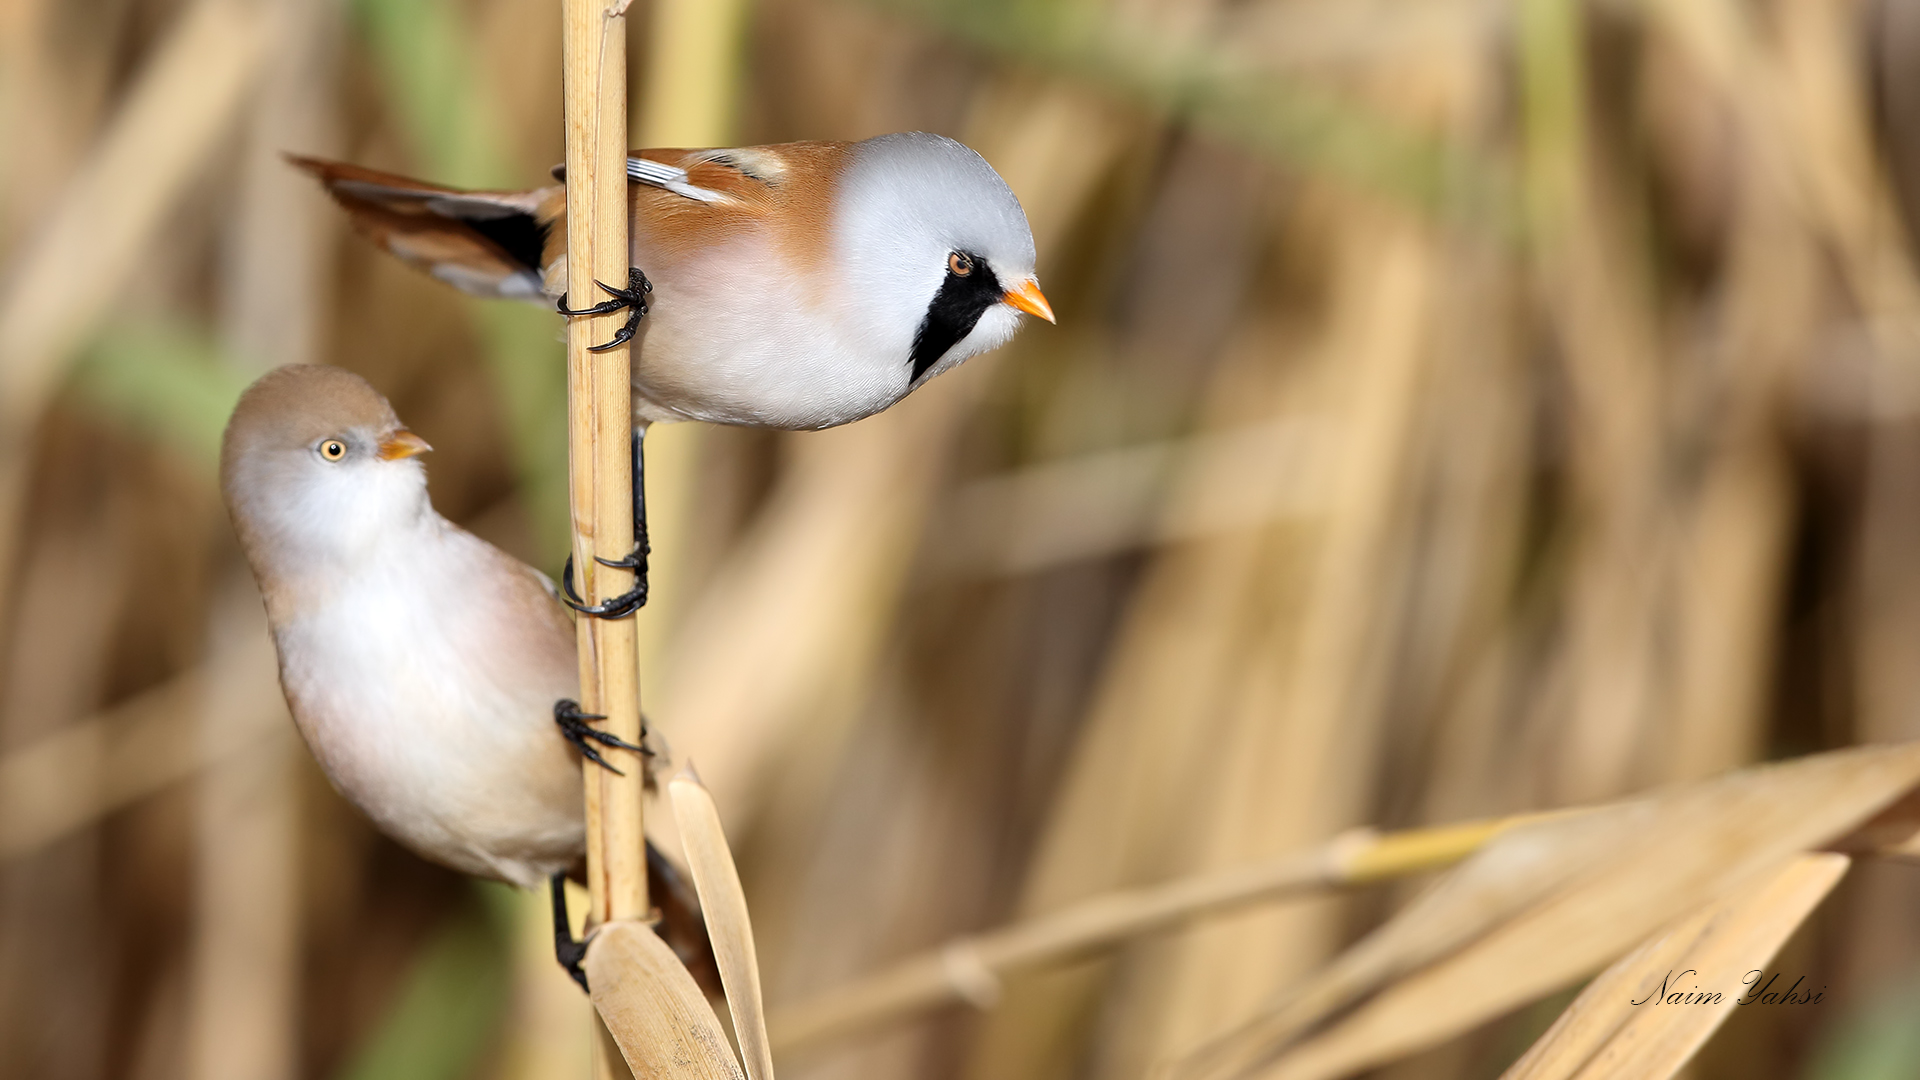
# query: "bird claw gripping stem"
574 727
633 299
615 607
569 951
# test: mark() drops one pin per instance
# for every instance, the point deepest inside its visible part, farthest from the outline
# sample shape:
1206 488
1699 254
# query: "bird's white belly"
426 742
753 348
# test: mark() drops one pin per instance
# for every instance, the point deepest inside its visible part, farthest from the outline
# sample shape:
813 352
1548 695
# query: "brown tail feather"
488 243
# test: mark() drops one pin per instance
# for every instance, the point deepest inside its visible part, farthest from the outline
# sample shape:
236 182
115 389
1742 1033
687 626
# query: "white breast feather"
429 736
735 337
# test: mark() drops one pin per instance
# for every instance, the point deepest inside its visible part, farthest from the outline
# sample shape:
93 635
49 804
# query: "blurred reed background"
1458 407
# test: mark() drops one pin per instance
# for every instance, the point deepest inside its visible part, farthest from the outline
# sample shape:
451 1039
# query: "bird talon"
607 307
622 335
635 561
574 727
634 294
633 299
617 607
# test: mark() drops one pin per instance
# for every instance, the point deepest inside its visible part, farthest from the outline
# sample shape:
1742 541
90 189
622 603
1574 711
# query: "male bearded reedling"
800 285
421 664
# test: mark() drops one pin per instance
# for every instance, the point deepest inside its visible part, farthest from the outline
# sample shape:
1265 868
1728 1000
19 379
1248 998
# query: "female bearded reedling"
421 664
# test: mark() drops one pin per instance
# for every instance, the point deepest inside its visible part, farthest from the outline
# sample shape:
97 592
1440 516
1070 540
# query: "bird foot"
633 299
576 729
566 949
636 562
617 607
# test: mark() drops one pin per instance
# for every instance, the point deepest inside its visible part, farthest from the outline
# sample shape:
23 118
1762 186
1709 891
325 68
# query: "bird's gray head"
315 466
936 249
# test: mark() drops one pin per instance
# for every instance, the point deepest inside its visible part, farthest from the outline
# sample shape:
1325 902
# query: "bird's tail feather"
488 243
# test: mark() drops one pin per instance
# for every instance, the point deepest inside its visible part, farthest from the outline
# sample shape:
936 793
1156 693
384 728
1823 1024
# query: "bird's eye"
333 449
959 265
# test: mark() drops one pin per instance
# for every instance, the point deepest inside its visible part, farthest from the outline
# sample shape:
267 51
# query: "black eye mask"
955 309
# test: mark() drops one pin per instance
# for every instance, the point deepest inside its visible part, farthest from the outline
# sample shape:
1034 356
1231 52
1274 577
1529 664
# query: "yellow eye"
333 449
959 265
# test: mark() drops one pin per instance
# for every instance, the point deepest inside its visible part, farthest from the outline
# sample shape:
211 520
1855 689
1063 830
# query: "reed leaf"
969 968
1624 1024
1544 905
653 1008
724 906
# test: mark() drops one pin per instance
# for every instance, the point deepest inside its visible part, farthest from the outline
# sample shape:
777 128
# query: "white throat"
327 516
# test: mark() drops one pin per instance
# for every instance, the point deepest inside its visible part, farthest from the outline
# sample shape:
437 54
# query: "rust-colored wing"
687 200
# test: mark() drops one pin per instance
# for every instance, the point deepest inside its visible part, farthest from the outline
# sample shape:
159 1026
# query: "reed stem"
969 968
600 429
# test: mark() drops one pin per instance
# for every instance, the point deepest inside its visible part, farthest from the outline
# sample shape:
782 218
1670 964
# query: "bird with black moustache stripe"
800 285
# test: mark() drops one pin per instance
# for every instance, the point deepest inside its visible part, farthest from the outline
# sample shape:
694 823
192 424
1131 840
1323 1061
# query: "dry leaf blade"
1615 1028
724 905
654 1009
1545 904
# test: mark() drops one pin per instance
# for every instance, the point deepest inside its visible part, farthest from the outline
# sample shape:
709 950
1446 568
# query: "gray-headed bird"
800 285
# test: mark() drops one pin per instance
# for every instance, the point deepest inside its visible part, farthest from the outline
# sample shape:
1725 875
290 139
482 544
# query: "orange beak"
402 444
1026 296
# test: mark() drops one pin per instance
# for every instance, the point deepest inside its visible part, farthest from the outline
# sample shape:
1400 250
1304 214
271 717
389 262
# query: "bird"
432 675
800 285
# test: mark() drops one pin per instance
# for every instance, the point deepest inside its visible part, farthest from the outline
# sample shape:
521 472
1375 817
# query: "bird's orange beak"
1026 296
402 444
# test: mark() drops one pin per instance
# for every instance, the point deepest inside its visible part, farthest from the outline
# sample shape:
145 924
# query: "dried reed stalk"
600 429
1545 904
969 968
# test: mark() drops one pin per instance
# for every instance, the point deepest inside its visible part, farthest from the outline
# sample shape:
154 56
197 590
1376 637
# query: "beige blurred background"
1458 407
